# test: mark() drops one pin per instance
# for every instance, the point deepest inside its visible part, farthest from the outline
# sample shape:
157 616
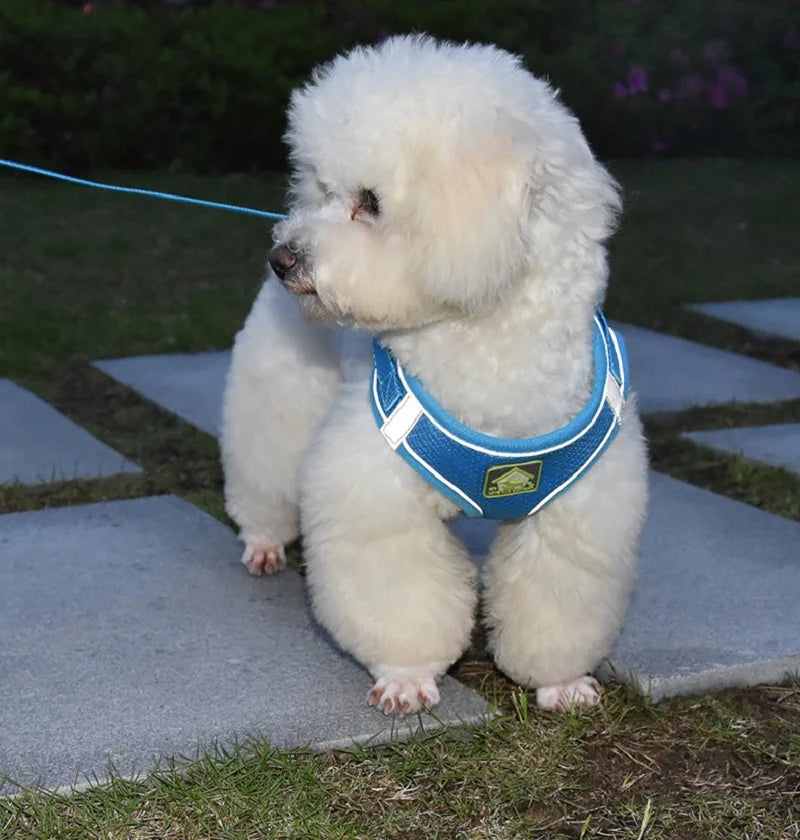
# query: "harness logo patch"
512 479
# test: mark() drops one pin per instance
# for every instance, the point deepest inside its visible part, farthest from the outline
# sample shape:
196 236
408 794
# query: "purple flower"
657 145
664 95
731 79
792 38
620 91
718 96
637 80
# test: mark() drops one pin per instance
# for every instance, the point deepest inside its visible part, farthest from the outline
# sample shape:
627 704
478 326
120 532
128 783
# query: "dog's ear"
517 191
469 203
567 188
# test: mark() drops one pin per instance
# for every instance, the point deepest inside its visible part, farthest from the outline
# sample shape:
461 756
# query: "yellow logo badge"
512 479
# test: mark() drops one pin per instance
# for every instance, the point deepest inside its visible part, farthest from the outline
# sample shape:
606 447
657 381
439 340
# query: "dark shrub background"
204 86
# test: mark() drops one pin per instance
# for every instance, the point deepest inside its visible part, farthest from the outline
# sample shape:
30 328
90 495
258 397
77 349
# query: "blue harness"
493 477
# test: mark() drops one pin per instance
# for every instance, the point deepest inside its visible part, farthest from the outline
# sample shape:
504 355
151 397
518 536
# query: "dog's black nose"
281 258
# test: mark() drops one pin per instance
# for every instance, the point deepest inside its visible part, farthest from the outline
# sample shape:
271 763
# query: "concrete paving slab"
187 384
146 638
672 374
715 605
668 374
716 602
39 444
775 317
777 445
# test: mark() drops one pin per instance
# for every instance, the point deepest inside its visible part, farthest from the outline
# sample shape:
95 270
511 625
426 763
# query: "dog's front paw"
263 558
581 693
404 695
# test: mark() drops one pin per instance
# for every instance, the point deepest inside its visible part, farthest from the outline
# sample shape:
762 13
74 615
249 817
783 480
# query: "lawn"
87 275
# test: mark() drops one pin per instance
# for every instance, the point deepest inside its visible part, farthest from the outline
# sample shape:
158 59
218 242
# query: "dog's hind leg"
283 378
557 582
387 579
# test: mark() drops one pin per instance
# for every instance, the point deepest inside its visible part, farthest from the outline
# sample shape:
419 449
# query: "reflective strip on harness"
492 477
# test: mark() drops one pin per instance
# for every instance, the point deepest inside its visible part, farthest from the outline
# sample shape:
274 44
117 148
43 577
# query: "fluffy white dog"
445 201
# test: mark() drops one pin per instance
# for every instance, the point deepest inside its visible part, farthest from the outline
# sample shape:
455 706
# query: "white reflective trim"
613 395
401 421
576 474
620 364
532 453
441 478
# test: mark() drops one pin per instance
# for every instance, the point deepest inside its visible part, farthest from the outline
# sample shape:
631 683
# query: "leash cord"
136 191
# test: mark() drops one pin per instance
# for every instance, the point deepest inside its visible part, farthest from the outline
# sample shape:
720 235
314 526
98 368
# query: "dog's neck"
523 370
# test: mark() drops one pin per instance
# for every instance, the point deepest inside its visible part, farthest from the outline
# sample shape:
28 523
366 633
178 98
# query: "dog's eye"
367 202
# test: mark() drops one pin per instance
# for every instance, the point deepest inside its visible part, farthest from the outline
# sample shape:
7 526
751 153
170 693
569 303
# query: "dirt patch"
738 749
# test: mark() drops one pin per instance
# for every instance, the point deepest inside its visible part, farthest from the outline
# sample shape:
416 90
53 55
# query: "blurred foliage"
203 86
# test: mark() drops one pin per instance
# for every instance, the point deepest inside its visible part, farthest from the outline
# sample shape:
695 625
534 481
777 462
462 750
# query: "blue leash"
135 191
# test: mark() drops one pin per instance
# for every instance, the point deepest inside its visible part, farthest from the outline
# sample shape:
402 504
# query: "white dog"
445 201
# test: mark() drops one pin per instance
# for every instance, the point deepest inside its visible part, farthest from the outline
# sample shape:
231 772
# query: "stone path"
39 444
669 374
716 602
672 374
778 445
148 638
778 317
189 385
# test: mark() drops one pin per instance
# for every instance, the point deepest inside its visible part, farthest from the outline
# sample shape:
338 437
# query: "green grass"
701 231
717 768
86 275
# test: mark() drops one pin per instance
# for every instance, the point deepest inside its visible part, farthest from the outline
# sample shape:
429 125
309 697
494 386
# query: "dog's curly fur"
443 198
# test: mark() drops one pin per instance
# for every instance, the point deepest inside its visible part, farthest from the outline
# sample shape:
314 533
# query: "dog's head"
428 179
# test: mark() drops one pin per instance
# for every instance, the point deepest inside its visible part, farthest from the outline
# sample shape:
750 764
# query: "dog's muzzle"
282 258
290 267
